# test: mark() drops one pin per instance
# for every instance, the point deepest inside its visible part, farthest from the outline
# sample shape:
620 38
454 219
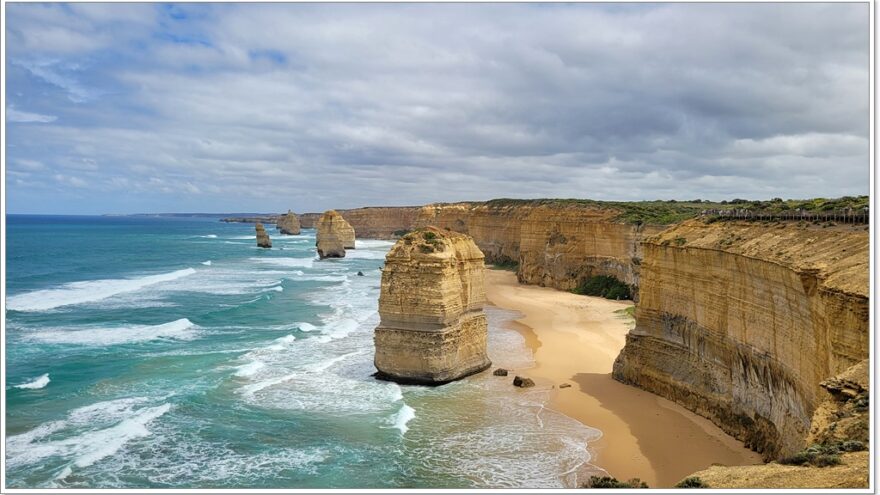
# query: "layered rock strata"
333 235
553 245
288 223
379 222
741 322
432 329
844 416
263 240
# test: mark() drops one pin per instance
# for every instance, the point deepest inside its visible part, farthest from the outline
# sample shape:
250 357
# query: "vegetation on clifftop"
672 211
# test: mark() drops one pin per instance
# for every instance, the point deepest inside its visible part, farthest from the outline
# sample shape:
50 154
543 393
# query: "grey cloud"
336 105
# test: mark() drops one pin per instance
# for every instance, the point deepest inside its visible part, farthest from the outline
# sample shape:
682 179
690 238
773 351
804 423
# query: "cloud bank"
264 107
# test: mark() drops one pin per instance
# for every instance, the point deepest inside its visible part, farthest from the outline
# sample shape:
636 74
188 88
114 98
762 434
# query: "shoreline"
574 339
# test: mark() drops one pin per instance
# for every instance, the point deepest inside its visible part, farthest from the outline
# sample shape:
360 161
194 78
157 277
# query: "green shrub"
603 286
609 482
429 236
853 446
506 264
691 482
400 233
820 455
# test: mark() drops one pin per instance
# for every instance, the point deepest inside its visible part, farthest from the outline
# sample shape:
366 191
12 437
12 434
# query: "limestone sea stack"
263 240
432 328
334 235
288 223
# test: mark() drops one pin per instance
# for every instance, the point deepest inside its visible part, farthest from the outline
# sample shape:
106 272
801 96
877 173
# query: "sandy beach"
575 340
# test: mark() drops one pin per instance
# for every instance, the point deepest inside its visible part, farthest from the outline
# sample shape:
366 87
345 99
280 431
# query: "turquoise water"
167 352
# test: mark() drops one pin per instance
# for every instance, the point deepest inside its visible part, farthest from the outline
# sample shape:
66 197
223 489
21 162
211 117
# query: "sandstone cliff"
843 416
334 235
741 322
432 329
377 222
553 244
288 223
263 240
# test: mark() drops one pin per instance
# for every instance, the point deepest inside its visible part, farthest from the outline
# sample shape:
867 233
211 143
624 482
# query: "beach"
575 340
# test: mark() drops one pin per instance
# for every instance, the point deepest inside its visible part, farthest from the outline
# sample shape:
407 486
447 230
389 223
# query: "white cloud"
15 115
338 105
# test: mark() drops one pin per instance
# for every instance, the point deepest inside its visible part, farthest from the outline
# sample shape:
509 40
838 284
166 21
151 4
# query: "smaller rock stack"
263 240
334 235
288 223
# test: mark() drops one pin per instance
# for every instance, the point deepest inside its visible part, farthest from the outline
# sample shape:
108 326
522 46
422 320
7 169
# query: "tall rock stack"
263 240
334 235
288 223
432 328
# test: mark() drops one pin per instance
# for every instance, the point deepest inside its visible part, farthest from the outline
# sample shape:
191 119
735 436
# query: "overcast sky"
121 108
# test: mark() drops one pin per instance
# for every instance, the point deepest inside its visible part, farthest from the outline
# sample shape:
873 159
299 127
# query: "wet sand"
575 340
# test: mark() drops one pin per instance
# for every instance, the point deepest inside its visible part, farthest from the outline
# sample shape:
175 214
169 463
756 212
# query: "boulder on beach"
334 235
263 239
433 328
523 382
500 372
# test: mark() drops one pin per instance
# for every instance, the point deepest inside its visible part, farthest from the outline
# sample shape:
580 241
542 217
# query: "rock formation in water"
334 235
288 223
741 322
432 329
263 240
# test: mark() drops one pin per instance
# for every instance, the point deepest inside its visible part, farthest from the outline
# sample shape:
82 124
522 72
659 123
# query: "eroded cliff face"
334 235
843 416
373 222
741 322
432 329
554 246
288 223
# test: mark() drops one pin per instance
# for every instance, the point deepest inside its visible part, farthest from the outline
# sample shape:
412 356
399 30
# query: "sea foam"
87 291
181 329
108 426
36 383
404 416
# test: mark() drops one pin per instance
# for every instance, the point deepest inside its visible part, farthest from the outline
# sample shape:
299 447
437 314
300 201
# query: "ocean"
159 352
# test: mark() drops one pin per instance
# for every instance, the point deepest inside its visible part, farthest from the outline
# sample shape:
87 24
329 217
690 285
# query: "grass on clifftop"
672 211
634 212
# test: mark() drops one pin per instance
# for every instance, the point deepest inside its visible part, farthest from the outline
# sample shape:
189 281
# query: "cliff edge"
740 322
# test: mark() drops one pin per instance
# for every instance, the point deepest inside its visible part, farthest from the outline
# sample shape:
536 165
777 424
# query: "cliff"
263 240
432 328
843 416
378 222
553 244
288 223
741 321
334 235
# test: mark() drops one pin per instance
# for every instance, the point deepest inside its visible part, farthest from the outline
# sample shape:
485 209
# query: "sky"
127 108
